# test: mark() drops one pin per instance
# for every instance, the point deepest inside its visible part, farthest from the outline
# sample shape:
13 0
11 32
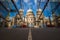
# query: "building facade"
30 18
39 19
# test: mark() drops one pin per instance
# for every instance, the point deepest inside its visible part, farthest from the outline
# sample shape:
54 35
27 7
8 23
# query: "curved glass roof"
13 6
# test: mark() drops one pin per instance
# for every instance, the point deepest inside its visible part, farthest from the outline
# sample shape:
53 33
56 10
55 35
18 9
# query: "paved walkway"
30 34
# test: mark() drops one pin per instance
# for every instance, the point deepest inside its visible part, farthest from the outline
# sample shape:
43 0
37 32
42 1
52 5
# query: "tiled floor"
33 34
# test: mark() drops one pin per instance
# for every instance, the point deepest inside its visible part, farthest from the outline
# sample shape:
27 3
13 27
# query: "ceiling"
12 6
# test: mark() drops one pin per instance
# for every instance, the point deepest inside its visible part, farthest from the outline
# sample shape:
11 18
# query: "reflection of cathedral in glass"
30 20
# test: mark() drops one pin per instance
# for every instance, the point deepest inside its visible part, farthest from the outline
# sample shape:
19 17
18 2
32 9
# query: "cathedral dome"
29 10
21 10
39 10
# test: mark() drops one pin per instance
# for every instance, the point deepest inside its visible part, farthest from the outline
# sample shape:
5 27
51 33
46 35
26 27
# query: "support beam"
21 4
56 7
15 5
38 3
4 6
53 11
1 4
2 17
50 20
44 8
12 10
